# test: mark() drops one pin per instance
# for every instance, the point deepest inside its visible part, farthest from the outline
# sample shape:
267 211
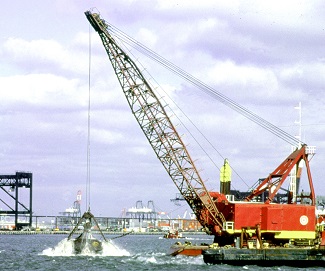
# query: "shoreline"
95 232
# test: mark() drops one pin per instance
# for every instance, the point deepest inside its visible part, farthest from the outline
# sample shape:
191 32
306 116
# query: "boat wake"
66 248
161 259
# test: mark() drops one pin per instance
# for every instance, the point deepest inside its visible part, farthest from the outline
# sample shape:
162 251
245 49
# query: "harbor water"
131 252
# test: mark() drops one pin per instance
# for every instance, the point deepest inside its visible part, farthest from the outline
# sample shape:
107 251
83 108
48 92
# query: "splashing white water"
66 248
110 249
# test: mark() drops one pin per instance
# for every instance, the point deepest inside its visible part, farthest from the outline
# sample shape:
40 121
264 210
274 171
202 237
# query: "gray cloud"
266 57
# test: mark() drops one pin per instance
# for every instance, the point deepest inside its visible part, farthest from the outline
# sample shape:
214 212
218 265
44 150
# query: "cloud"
46 91
44 56
267 56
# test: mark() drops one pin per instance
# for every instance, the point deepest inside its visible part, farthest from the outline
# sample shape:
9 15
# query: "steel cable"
116 33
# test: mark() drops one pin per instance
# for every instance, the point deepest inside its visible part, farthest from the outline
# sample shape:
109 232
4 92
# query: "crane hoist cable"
203 86
88 126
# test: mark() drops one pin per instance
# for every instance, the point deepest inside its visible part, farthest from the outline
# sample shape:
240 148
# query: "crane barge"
246 231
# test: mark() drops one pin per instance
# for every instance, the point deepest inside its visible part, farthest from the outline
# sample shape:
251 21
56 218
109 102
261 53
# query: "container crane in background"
72 214
219 214
77 203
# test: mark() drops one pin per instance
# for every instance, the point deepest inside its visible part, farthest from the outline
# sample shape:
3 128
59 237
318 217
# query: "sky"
266 55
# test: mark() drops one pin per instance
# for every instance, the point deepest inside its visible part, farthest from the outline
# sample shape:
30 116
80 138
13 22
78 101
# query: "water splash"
111 249
66 248
63 248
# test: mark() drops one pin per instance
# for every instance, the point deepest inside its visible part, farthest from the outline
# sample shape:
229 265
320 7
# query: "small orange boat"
173 235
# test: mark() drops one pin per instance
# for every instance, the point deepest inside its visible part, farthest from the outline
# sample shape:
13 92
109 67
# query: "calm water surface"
132 252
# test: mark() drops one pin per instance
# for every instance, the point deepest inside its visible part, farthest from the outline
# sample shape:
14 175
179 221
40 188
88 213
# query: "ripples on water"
132 252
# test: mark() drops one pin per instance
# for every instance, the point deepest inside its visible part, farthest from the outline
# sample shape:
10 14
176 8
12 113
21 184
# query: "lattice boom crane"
159 130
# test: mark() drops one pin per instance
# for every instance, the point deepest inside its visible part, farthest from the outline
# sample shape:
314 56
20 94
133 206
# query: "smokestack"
225 178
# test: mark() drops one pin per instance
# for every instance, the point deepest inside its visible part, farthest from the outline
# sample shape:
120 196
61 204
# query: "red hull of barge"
187 249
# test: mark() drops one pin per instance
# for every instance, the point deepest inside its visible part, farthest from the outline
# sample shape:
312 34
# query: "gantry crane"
273 221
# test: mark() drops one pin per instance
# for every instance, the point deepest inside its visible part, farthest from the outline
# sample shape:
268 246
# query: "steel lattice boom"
160 132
